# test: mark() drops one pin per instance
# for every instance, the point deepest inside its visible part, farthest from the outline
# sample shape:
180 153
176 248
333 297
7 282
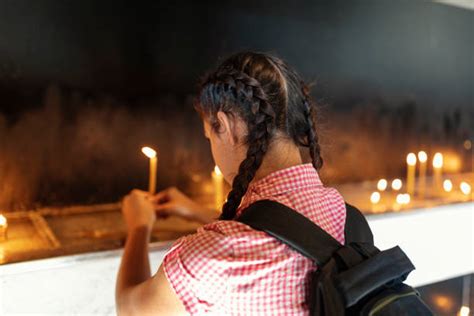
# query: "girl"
257 113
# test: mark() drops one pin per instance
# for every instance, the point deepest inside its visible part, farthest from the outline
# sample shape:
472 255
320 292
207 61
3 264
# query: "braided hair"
268 96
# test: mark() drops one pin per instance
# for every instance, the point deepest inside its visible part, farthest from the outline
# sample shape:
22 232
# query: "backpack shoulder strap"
356 228
291 228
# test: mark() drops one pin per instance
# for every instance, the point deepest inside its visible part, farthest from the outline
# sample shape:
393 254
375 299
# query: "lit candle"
382 185
403 198
151 153
465 188
396 184
464 311
447 185
411 169
3 228
218 180
374 199
422 157
437 170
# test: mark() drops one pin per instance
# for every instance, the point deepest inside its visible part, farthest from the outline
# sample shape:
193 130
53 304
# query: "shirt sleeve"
197 267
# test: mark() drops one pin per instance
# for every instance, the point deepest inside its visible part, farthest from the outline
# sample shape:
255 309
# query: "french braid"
260 128
313 139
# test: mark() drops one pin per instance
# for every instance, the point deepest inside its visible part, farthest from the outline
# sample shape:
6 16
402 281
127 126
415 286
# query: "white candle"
218 181
411 169
437 171
422 157
3 228
151 153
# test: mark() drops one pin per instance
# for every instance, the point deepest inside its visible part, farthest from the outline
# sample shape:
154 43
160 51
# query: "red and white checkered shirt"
228 268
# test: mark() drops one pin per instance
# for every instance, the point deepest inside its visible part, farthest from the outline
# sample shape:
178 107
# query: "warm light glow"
464 311
422 157
447 185
217 171
382 185
149 152
375 197
403 198
3 221
443 302
438 160
396 184
465 187
467 144
411 159
452 162
400 198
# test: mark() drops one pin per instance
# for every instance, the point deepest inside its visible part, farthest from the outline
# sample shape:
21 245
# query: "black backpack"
351 279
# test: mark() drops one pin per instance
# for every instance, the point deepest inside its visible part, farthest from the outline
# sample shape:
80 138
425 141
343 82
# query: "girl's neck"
281 154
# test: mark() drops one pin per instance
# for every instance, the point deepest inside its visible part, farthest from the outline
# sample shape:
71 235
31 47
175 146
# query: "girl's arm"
137 292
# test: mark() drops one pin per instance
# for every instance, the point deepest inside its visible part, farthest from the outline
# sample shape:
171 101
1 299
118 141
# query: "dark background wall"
364 47
85 83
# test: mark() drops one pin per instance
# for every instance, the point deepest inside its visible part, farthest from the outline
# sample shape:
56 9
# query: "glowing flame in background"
149 152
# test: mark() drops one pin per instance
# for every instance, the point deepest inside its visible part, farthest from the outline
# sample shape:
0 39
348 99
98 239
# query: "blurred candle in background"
422 157
437 171
151 153
374 199
382 185
396 184
447 185
403 198
3 228
411 170
465 188
218 181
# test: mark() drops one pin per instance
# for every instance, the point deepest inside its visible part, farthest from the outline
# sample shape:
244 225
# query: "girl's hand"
173 202
138 210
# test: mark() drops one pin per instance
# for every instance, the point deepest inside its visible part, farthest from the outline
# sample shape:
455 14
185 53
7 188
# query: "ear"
227 129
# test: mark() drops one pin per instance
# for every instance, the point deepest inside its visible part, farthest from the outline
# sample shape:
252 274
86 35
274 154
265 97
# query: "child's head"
259 97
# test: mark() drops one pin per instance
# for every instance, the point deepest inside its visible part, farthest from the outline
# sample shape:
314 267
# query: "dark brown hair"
268 96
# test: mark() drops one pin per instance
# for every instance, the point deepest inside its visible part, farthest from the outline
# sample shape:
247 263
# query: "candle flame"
149 152
382 185
422 156
464 311
411 159
375 197
217 171
396 184
447 185
3 221
403 198
438 160
465 188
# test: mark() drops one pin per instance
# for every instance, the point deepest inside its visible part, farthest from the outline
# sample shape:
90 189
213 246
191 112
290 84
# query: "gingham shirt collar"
281 181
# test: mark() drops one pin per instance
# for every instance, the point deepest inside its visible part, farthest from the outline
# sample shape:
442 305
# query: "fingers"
165 195
164 207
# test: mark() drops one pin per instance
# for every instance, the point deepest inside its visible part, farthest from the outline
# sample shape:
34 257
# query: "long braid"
269 97
260 127
313 139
